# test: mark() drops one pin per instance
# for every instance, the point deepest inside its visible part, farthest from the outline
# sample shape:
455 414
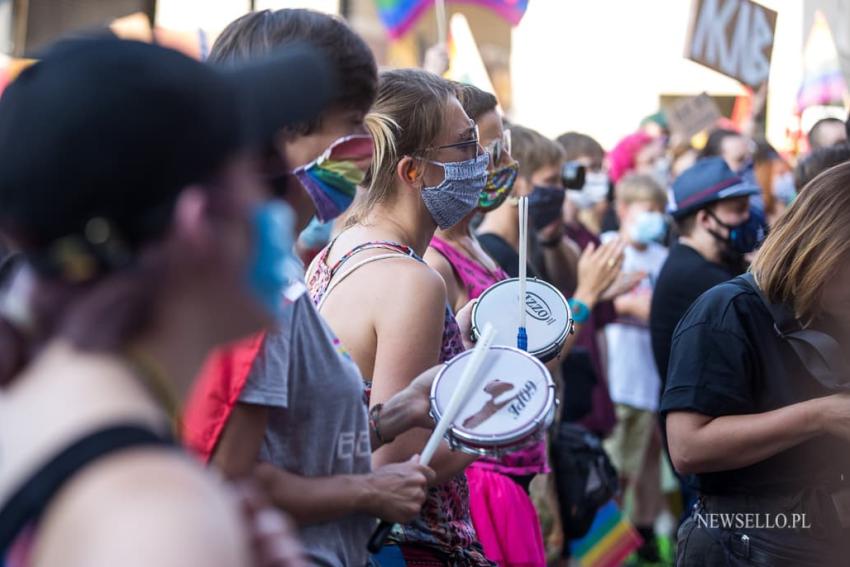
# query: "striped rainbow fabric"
610 540
399 15
823 81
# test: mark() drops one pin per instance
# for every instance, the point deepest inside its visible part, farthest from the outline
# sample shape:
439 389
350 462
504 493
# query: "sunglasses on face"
467 146
499 147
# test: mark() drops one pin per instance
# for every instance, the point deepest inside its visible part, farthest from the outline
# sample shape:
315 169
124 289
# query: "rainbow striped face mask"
331 180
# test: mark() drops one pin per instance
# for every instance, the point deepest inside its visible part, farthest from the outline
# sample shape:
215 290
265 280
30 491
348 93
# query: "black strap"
819 352
27 504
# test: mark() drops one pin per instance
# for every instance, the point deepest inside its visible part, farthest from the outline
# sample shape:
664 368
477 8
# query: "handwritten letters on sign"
734 37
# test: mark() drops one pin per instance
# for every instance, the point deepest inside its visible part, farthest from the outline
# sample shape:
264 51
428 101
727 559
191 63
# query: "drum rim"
462 439
554 347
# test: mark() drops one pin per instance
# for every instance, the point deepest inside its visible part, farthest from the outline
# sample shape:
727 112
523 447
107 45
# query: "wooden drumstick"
459 399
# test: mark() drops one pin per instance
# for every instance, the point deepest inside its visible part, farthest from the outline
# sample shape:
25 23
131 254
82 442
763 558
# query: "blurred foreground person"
148 236
752 402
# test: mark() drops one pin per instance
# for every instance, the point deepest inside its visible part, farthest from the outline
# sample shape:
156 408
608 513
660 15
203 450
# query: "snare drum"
548 320
511 406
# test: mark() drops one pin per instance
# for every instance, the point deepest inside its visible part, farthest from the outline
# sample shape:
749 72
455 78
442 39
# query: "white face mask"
595 190
647 226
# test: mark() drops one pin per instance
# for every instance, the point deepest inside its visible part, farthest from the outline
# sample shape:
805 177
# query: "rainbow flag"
610 540
399 15
823 81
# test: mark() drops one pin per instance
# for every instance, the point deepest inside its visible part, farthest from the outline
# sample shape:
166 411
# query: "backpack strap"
28 502
819 352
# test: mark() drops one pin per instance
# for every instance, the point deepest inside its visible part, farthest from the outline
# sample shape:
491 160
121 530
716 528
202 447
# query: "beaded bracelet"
374 421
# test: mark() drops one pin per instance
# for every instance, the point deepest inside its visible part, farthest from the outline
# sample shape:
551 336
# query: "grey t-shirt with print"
318 424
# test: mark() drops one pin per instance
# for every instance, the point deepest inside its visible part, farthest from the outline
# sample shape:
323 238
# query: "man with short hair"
711 209
710 202
827 132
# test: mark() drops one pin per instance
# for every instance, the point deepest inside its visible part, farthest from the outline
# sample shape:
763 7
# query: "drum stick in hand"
459 399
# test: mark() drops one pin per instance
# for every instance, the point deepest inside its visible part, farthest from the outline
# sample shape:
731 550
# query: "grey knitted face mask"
458 193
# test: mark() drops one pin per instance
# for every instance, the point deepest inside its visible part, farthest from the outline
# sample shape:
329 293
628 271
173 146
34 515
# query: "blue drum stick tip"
522 339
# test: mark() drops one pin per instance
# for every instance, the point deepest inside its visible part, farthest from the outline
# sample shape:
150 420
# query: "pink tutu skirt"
505 520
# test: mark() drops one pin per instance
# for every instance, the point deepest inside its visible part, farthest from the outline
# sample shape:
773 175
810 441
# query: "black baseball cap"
707 181
113 129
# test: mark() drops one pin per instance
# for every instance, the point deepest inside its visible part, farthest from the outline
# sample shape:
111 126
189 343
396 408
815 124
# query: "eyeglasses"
499 147
464 145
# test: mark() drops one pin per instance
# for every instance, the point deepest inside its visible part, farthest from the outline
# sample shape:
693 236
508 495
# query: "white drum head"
548 317
513 399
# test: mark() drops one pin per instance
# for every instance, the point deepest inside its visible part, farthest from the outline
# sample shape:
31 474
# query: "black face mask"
743 238
544 205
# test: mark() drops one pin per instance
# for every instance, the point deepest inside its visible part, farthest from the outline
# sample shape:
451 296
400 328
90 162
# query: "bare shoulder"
143 507
438 262
417 281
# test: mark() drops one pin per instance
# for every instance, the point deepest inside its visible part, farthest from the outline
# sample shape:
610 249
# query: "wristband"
374 423
579 310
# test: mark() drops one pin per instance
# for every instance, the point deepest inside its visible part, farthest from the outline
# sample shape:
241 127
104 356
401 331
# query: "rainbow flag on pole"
399 15
610 540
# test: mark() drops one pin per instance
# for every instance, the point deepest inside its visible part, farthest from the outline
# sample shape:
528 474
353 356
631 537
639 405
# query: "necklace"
150 372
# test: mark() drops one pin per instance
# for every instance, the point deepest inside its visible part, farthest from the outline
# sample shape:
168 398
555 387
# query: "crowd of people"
227 288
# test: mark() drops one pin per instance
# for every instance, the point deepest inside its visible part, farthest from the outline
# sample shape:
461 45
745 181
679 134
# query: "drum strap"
355 267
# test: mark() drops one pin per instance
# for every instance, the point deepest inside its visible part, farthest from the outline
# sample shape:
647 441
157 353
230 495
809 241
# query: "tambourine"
511 406
548 323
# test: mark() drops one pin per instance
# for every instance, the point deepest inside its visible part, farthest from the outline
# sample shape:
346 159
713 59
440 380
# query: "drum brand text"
521 400
537 308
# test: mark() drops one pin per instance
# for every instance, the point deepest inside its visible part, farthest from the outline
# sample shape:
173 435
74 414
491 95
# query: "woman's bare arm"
409 328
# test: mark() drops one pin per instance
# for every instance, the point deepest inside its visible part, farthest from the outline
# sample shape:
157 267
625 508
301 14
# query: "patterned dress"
444 526
504 516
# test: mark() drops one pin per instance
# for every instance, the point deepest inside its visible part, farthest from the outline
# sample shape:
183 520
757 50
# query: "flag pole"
440 11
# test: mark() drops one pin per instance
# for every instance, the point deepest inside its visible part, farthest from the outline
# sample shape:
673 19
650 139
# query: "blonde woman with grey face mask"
387 307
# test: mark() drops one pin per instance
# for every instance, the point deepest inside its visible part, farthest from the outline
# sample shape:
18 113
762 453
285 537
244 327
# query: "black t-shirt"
727 360
684 276
504 255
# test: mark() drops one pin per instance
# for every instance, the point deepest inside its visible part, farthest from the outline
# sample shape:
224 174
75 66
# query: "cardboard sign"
733 37
690 116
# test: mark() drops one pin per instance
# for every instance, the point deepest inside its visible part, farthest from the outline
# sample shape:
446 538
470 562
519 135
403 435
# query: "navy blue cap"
707 181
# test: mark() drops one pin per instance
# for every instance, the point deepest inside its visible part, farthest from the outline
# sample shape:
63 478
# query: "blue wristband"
580 311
